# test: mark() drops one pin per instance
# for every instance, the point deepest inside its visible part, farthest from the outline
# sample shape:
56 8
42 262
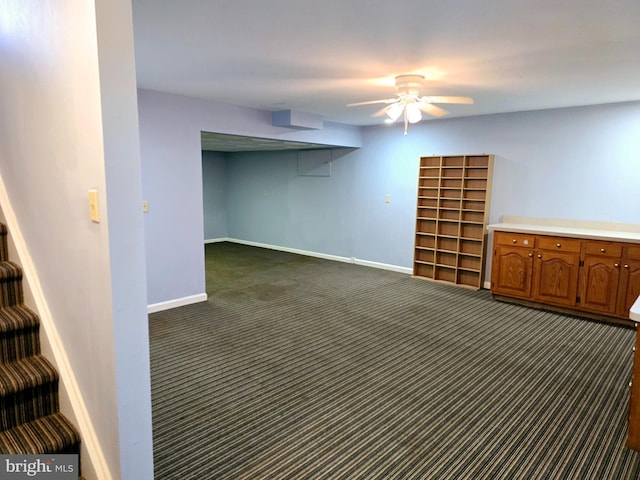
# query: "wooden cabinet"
596 277
600 277
512 264
555 277
633 431
629 287
452 212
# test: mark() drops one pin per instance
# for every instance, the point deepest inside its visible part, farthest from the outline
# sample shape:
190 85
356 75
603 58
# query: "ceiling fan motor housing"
409 85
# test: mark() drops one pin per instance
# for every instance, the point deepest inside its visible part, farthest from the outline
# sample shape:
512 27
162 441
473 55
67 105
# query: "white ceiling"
317 56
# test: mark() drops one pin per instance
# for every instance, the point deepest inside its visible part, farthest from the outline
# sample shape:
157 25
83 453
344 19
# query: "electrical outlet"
387 198
145 206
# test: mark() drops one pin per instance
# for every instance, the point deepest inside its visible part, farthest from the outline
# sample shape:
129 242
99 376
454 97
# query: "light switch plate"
94 213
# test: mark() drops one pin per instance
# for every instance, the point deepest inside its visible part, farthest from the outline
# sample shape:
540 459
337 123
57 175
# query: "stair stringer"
72 404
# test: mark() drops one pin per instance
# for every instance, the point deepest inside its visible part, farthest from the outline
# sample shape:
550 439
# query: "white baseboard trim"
337 258
178 302
216 240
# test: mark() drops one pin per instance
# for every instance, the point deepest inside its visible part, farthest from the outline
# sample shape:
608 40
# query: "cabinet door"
555 277
511 271
629 289
599 284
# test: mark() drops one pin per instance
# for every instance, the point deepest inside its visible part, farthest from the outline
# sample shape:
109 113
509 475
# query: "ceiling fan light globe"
394 111
414 115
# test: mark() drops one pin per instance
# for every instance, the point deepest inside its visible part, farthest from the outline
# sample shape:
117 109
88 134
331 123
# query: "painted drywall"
67 89
577 163
288 209
123 195
214 195
170 127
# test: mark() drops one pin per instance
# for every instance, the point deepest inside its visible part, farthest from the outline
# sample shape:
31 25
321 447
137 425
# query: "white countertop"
634 313
595 234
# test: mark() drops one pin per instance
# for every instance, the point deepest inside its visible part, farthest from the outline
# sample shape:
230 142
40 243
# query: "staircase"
30 420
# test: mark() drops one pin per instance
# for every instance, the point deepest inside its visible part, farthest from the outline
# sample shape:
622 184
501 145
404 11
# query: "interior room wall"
269 202
170 147
214 195
575 163
67 90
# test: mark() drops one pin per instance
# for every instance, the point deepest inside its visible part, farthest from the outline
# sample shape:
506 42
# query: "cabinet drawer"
514 239
560 244
607 249
632 252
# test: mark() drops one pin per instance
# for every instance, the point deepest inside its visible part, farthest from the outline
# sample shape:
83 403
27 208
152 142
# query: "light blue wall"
214 193
172 181
578 163
268 202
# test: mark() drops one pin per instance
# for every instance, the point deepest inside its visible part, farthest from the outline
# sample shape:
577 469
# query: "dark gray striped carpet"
299 368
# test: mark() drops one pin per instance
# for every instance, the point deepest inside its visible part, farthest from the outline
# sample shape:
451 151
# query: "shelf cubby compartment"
446 259
444 273
425 240
470 262
473 205
449 228
429 182
452 172
449 203
470 247
449 214
446 193
430 162
453 161
451 183
447 244
474 194
424 225
427 212
472 230
472 216
475 183
469 278
423 270
476 172
428 202
424 255
428 192
477 160
430 171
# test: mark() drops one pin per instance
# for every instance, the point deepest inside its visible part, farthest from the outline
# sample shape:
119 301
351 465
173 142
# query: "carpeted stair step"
51 434
10 284
4 251
19 333
28 390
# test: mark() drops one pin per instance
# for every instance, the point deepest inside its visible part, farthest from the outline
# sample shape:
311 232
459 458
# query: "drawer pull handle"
616 265
531 254
558 245
603 250
539 256
514 241
626 266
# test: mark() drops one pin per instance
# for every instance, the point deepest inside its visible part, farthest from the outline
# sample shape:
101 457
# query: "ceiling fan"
409 104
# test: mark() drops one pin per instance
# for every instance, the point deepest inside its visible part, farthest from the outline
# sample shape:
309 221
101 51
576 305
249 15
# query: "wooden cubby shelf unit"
453 206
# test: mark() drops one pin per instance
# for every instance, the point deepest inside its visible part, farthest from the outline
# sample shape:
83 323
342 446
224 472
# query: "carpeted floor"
300 368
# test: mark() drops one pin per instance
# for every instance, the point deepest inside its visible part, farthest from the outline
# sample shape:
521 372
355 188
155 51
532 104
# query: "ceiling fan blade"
381 112
432 109
371 102
446 99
